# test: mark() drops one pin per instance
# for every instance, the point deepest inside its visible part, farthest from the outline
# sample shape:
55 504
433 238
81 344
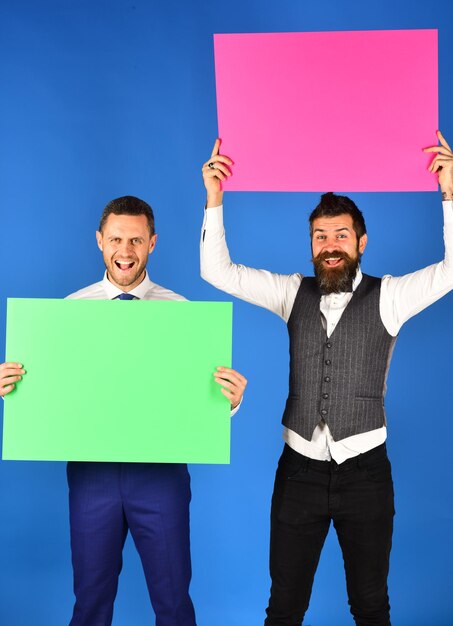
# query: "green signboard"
118 380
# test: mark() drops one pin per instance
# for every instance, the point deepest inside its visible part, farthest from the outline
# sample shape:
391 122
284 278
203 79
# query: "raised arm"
405 296
275 292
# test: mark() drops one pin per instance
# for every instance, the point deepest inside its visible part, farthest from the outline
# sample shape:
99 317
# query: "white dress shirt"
401 298
105 290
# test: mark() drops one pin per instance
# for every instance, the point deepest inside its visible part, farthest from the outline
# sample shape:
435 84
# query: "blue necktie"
125 296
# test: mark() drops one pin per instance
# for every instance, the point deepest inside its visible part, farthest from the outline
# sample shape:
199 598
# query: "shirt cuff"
213 218
236 409
447 206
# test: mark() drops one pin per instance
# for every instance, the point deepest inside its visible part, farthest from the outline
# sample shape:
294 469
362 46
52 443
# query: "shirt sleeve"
402 297
275 292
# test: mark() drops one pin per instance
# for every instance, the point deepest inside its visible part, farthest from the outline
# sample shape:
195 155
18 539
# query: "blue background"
105 98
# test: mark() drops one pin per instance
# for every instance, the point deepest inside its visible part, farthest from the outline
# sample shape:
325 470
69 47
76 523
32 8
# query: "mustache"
336 254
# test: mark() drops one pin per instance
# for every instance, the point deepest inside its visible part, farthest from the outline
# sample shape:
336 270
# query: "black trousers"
357 496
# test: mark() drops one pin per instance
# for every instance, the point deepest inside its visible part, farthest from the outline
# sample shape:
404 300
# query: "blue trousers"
106 500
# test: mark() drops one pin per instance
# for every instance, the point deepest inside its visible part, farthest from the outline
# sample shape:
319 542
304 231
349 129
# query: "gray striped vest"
340 379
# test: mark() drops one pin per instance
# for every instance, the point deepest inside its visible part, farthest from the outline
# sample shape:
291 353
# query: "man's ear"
99 240
362 243
152 243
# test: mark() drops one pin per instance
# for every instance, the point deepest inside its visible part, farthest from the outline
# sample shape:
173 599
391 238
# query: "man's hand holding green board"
10 374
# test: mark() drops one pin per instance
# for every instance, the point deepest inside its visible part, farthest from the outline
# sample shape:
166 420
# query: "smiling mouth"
333 261
124 266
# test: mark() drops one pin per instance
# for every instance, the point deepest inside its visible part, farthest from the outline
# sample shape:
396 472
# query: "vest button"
323 412
325 396
328 345
327 379
328 362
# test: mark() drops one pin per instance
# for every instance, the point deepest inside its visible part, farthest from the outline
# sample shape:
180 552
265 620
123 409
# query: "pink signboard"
333 111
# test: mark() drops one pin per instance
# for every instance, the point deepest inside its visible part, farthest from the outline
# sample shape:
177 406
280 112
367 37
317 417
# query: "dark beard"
335 280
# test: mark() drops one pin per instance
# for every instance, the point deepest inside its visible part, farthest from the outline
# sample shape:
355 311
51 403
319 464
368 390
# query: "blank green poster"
118 381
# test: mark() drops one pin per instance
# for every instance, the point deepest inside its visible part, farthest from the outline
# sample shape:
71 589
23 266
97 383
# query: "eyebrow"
118 236
337 230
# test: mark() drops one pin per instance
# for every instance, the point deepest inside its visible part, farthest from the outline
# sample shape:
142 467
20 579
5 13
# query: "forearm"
216 266
402 297
214 199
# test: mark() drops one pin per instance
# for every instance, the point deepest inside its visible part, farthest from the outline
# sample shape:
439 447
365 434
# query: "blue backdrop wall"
105 98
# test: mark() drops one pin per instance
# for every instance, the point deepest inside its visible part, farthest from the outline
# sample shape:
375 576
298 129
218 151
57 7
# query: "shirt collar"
357 279
139 291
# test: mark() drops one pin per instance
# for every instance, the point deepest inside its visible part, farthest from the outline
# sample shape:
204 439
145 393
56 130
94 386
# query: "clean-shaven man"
342 327
151 500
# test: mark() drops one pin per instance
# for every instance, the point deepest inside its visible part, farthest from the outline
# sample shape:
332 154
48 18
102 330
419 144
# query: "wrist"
214 199
447 194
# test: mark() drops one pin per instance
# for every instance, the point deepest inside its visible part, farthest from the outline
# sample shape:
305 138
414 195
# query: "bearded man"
342 327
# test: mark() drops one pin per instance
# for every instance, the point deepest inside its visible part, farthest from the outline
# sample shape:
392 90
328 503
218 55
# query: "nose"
332 241
330 245
125 248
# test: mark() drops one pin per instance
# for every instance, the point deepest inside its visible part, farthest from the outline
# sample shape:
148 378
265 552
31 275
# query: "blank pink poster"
334 111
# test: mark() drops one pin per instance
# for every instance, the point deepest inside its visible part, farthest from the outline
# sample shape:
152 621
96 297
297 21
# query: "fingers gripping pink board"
333 111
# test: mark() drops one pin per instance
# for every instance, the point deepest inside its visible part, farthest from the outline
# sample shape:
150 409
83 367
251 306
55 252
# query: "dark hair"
128 205
332 205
